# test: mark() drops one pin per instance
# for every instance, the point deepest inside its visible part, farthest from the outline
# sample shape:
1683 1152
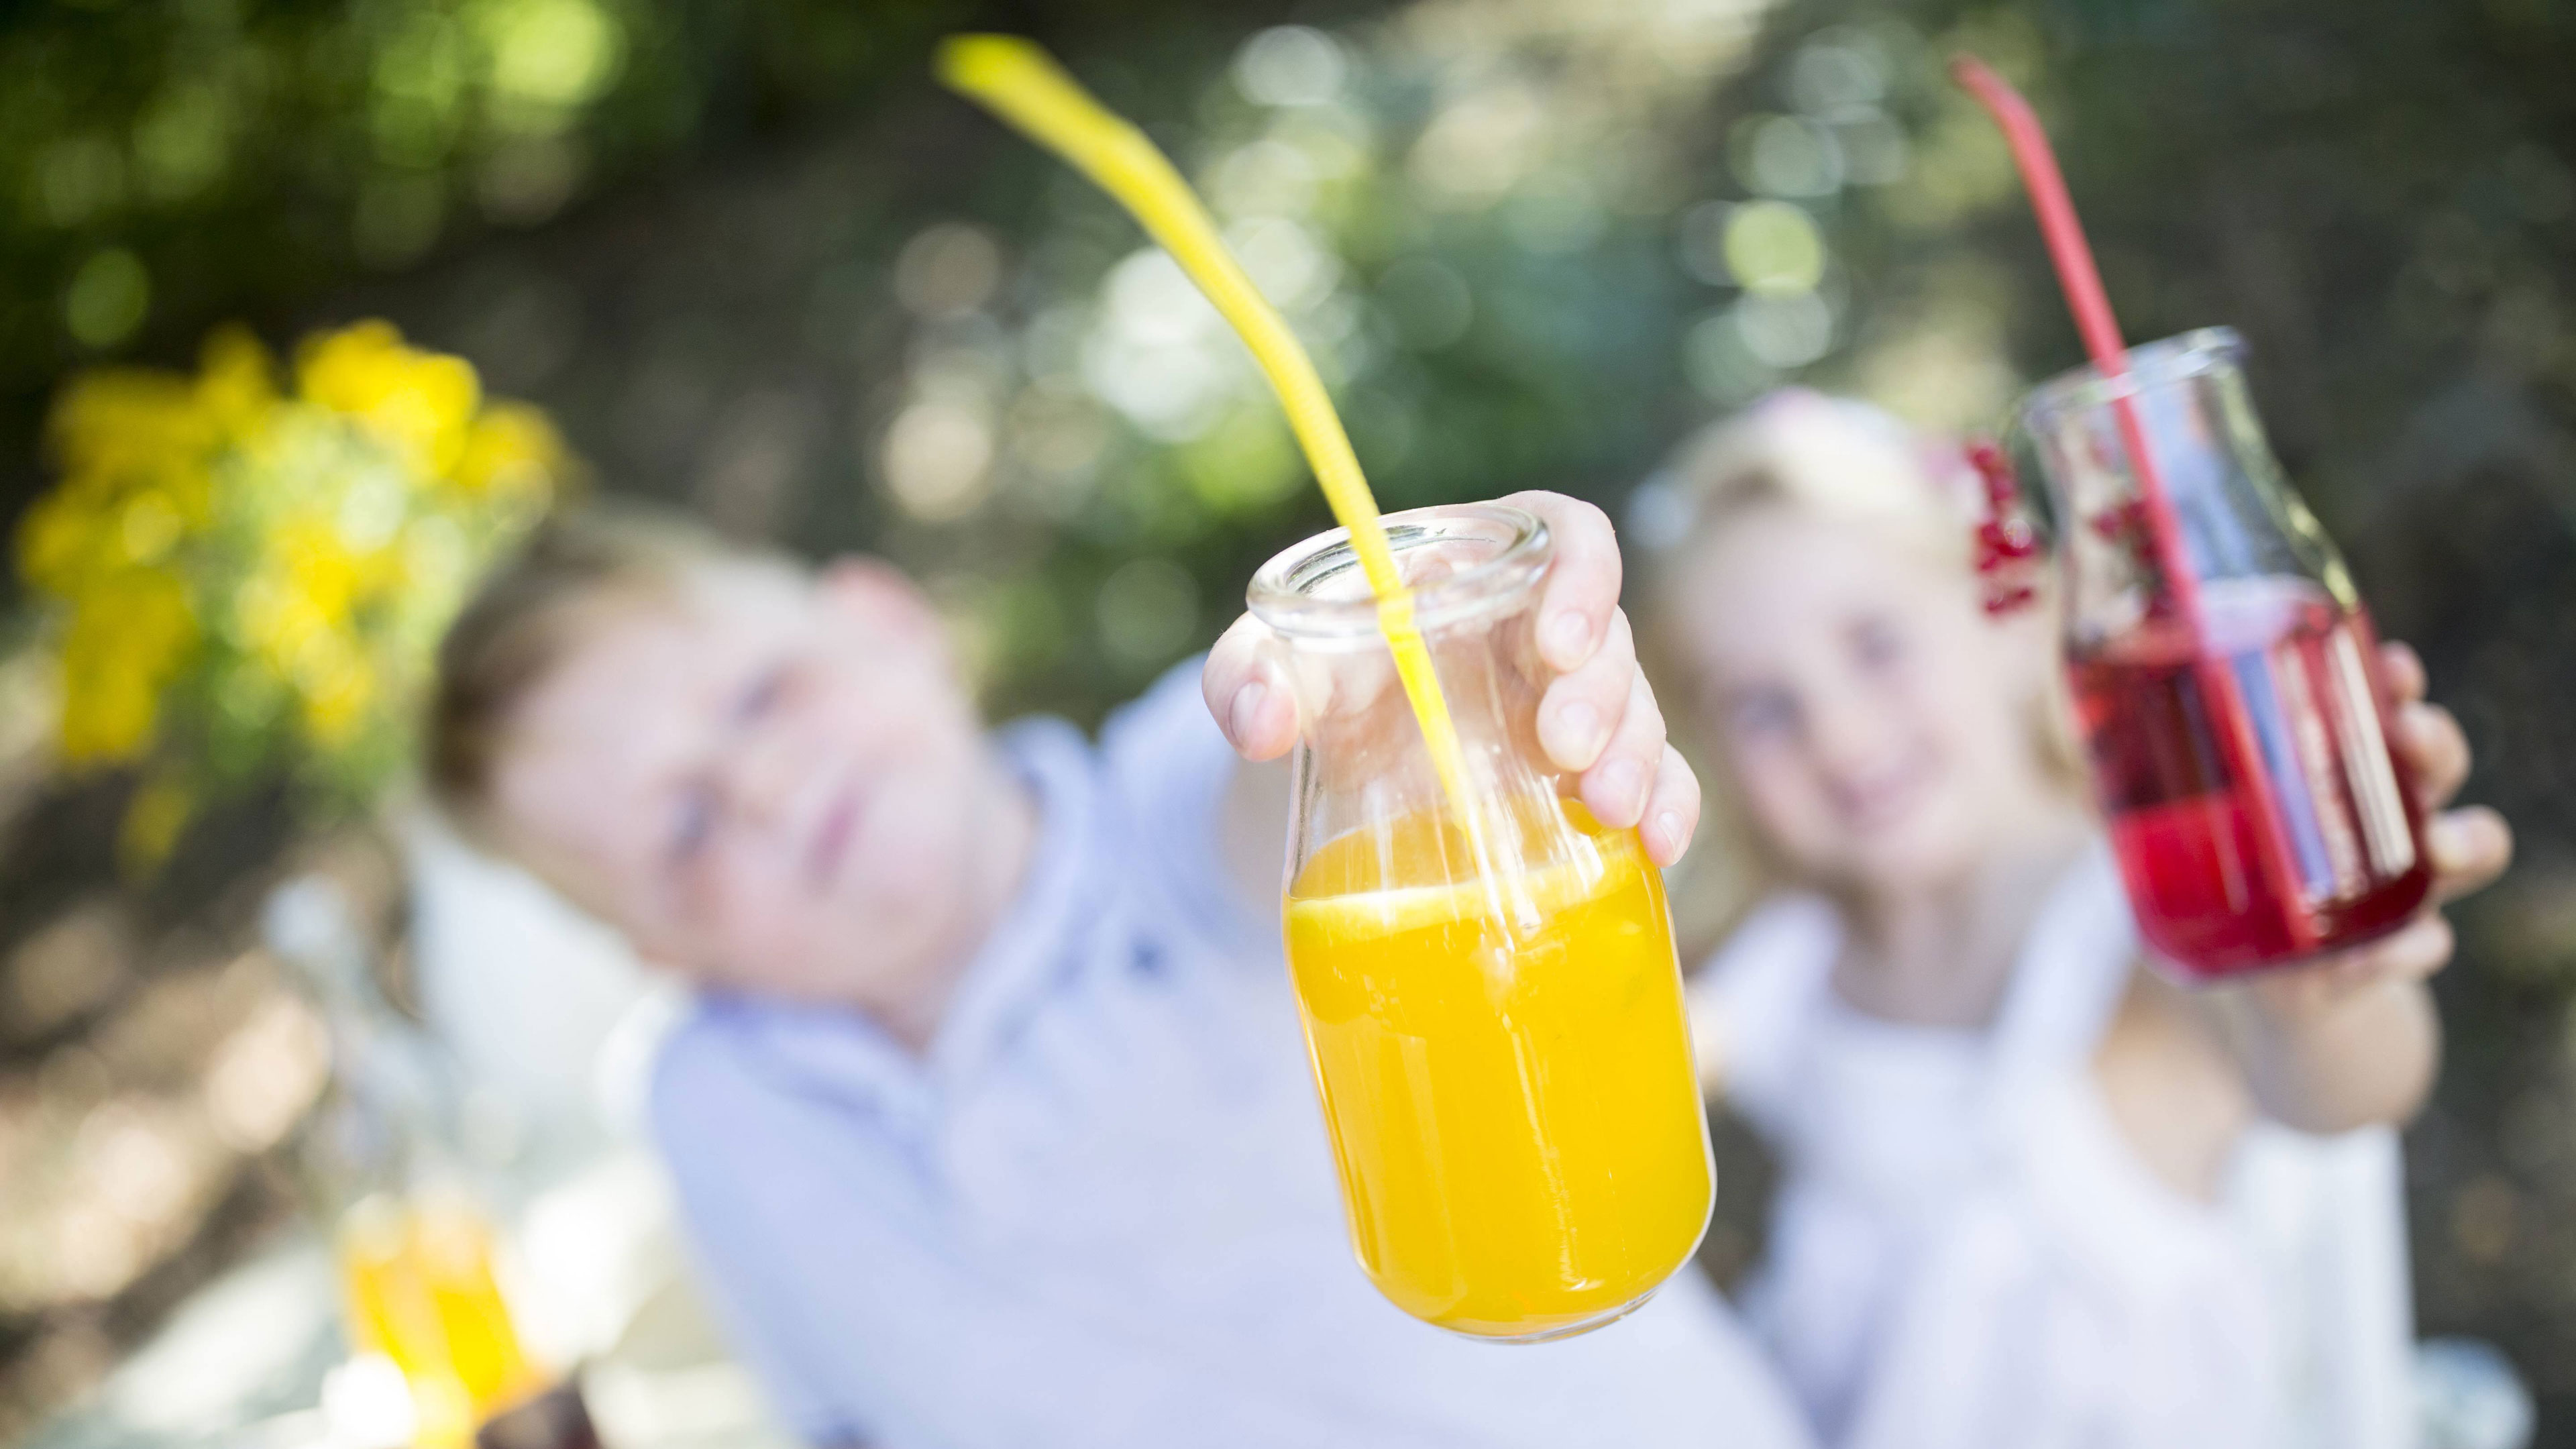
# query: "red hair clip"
2006 543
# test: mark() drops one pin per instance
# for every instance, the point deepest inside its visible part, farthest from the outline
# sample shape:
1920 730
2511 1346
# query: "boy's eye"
762 693
693 821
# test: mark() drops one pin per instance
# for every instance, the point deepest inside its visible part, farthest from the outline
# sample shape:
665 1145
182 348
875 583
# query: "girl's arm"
2352 1039
1708 1034
2171 1086
2329 1058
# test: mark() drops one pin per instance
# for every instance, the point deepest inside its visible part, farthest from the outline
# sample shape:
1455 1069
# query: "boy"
993 1126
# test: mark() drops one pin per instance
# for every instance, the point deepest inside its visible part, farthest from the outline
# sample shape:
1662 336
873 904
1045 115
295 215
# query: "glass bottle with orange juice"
418 1286
1487 975
416 1251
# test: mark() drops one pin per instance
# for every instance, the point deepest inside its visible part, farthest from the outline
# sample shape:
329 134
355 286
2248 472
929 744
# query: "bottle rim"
2196 353
1314 590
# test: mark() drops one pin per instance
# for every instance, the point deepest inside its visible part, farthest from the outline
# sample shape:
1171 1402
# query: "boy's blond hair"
531 611
1849 462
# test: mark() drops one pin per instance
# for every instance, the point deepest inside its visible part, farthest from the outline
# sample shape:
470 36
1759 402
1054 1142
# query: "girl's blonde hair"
1847 461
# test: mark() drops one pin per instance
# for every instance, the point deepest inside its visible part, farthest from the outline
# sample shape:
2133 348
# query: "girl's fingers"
2413 954
2470 848
1672 810
1616 788
2404 670
1581 711
2428 738
1245 684
1582 591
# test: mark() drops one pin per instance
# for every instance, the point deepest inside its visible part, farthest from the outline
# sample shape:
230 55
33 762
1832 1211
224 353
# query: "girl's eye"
1763 713
1876 645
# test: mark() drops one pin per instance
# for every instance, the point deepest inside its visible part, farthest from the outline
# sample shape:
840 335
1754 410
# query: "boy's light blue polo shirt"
1101 1210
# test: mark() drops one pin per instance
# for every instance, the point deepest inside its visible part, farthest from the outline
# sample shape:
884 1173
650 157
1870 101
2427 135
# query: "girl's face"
1876 719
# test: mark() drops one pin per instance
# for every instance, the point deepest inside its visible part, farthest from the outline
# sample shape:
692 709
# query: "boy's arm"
1252 832
2353 1039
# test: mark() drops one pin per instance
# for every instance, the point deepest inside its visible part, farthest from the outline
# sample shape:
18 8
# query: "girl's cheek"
1785 804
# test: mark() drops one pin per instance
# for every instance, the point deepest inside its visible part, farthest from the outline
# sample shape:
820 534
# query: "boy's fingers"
2436 752
1672 811
1246 689
1581 711
1617 785
2404 670
1582 585
2470 848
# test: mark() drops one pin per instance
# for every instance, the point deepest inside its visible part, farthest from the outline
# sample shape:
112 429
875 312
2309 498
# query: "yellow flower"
125 641
236 382
513 450
57 540
135 447
277 622
108 712
420 402
339 694
117 425
318 561
147 528
326 533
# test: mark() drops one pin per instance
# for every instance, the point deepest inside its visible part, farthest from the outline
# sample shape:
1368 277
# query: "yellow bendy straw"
1022 84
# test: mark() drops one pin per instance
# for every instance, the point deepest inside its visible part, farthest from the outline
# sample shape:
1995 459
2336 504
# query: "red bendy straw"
2082 283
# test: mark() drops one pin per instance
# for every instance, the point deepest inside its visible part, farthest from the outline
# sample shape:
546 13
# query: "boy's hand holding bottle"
1599 717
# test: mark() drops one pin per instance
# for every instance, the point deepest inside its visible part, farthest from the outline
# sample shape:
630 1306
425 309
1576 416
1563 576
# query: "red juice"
2337 856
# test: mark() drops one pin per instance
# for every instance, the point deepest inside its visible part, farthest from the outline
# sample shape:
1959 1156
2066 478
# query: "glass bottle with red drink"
2235 717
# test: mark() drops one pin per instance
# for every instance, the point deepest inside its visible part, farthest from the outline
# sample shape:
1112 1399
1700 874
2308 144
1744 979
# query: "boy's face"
769 782
1877 721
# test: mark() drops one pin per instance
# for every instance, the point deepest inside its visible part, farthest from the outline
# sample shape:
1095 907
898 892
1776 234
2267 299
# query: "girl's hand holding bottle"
2469 846
2349 1038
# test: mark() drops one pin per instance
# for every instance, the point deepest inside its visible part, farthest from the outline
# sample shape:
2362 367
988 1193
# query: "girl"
2031 1194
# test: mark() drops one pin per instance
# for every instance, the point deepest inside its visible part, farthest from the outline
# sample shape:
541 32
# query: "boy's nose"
762 775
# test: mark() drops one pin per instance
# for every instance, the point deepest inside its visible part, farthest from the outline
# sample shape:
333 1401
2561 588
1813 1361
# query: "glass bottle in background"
414 1246
2237 727
1491 997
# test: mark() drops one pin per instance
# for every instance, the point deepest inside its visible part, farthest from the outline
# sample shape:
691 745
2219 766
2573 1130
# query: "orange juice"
1513 1107
419 1285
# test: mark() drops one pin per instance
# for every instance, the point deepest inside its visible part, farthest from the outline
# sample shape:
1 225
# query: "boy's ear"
882 595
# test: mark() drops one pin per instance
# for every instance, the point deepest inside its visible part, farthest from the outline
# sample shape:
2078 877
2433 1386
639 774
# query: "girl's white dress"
1965 1254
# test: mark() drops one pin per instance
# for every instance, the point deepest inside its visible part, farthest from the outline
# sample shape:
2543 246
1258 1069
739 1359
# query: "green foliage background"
751 260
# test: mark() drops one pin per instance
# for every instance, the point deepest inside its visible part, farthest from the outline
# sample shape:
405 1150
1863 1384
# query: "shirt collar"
1039 936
